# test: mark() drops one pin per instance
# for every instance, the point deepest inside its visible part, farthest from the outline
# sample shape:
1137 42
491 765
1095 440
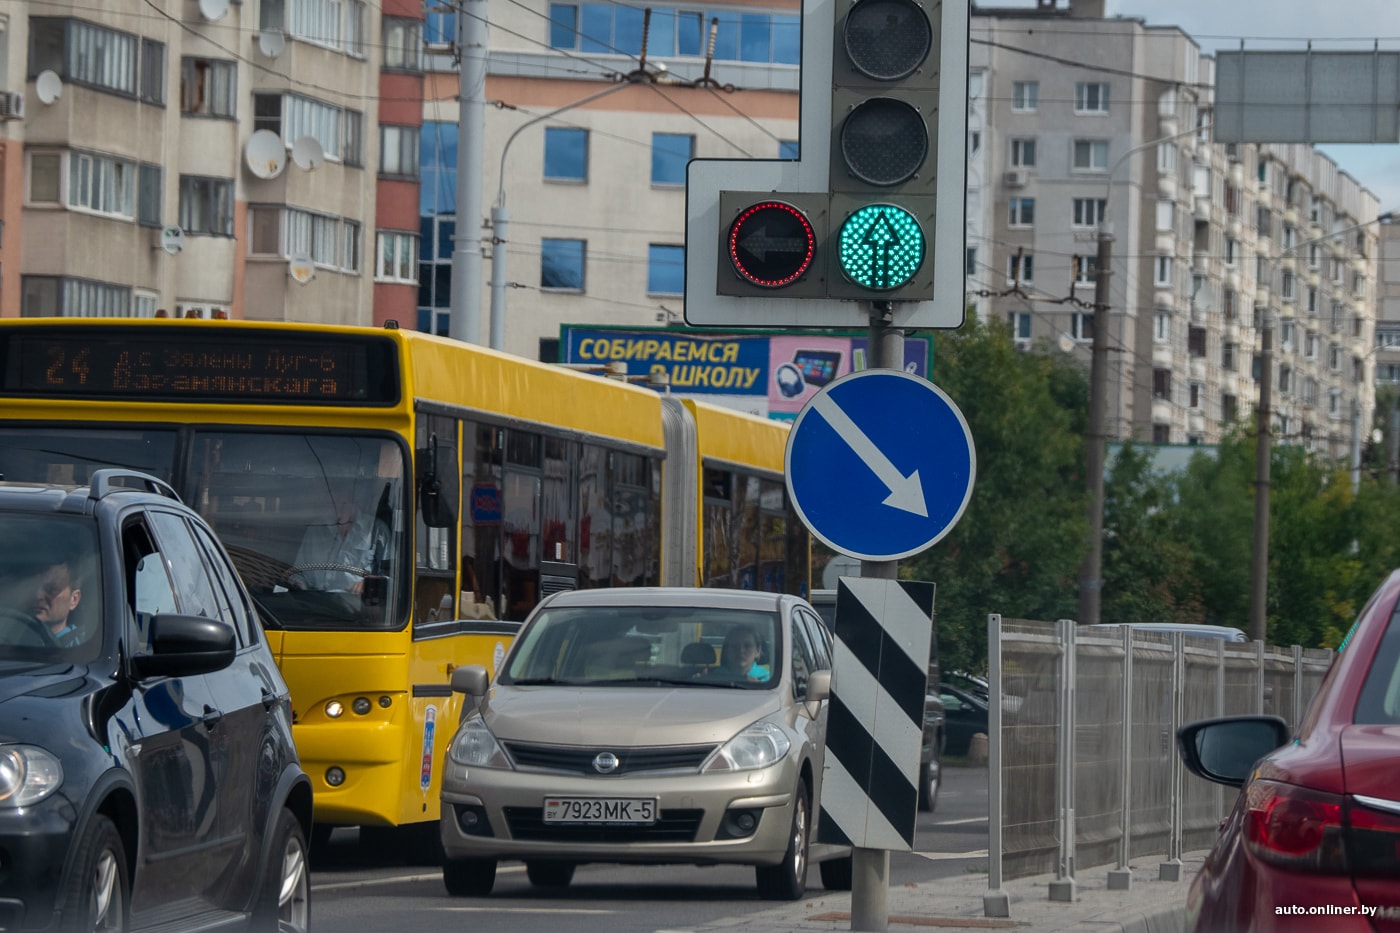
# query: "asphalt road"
354 891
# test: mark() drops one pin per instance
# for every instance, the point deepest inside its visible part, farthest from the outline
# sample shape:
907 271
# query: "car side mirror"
183 646
1225 751
471 680
818 688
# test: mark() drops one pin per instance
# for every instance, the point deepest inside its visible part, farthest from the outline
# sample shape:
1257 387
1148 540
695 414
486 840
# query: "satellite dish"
307 152
265 154
172 240
301 269
48 86
213 10
271 42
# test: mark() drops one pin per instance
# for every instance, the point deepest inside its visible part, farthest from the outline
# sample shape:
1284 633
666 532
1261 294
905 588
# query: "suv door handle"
212 717
269 699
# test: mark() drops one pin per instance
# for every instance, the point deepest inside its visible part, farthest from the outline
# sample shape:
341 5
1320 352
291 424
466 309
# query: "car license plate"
632 810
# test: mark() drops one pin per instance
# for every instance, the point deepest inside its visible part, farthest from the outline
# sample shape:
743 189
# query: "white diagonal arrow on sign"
906 492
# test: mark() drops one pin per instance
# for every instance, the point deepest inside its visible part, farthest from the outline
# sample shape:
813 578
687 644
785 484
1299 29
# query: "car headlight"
27 775
757 746
476 747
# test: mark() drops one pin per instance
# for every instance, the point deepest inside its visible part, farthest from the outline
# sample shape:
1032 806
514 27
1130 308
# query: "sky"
1332 25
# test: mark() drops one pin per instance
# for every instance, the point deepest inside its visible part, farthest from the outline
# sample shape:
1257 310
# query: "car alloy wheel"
787 881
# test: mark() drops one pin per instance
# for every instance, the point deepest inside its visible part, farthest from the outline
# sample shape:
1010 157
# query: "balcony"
1265 196
1237 174
1290 216
1198 368
1196 421
1163 411
1200 207
1162 356
1165 242
1166 186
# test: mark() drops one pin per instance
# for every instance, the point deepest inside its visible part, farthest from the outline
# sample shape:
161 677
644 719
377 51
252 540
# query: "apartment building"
210 158
1093 121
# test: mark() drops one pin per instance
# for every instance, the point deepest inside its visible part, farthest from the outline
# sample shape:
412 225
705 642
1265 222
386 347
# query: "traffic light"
772 244
884 143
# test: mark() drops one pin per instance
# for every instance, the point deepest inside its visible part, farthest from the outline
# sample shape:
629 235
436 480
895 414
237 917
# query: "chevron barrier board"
870 790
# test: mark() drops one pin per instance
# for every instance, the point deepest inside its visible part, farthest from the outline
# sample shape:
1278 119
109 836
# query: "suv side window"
195 592
148 587
232 596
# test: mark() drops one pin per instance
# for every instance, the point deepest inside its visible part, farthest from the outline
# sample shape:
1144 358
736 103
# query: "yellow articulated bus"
396 504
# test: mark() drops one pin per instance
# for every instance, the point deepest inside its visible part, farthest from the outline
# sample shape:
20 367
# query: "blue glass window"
665 270
447 229
669 154
787 40
425 248
690 31
596 28
727 37
565 153
437 166
440 28
561 264
563 26
788 149
755 31
663 34
627 30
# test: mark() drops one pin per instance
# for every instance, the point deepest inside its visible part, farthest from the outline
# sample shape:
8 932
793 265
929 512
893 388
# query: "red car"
1313 842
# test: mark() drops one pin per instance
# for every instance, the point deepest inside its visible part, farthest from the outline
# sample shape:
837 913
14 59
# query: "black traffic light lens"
887 39
771 244
884 141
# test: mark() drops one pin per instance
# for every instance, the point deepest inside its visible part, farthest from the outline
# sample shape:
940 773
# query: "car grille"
527 823
576 760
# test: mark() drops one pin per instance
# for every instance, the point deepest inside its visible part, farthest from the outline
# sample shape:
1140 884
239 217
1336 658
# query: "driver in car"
330 550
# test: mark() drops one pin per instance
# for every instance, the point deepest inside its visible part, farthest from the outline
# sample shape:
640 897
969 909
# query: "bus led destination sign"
186 364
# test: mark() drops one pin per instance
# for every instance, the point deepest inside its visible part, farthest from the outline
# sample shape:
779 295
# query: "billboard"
769 373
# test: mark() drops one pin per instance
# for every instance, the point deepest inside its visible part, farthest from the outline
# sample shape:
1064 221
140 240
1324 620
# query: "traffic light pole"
870 868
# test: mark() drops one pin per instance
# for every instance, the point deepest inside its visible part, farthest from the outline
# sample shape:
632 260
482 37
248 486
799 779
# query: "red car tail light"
1294 827
1373 839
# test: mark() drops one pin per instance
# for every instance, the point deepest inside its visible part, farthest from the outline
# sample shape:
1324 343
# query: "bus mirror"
439 486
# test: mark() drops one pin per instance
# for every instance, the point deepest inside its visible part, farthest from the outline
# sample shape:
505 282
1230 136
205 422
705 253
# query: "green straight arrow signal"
881 247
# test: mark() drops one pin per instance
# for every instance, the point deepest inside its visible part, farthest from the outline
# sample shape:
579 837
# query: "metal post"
996 902
500 223
1263 441
1393 441
1090 572
1170 870
1121 878
1259 678
870 868
1063 887
1297 686
465 320
1355 445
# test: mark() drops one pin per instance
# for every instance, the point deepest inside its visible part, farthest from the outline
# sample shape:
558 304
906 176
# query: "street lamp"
1090 572
1259 558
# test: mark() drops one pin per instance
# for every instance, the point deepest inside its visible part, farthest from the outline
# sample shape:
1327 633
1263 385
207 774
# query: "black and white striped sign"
870 790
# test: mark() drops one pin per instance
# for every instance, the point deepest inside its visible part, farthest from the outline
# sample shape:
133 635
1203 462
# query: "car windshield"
50 590
691 646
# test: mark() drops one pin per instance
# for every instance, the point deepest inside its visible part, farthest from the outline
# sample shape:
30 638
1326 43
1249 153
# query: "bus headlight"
475 746
335 709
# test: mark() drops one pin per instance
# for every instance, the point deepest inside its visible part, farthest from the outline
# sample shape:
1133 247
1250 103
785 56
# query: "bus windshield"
315 522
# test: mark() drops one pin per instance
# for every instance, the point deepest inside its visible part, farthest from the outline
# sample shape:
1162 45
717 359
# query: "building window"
1089 212
1310 346
669 154
62 296
398 151
403 44
89 55
1020 322
974 142
970 261
1162 383
1022 213
1162 327
1196 341
102 184
1229 407
1025 96
1166 215
1334 358
1161 433
292 117
206 205
1285 379
1228 352
1312 301
1229 304
1020 268
336 24
1023 153
1081 326
613 29
152 71
1232 251
1195 394
1264 221
208 87
395 260
1290 286
562 264
1086 270
1314 256
148 195
565 154
1286 335
1090 155
1163 271
1090 97
665 270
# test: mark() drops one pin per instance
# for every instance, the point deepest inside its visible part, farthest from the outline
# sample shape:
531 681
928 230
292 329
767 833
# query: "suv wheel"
285 902
787 881
96 895
469 877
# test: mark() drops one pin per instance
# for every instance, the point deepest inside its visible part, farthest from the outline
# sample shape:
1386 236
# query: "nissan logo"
605 763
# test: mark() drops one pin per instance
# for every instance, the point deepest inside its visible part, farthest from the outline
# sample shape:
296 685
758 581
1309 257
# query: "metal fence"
1082 750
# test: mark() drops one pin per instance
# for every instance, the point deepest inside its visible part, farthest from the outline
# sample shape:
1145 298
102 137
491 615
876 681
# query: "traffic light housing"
884 145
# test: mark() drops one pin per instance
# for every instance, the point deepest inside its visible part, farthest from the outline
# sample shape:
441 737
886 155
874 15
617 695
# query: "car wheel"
550 874
284 903
930 777
787 881
469 877
95 899
836 874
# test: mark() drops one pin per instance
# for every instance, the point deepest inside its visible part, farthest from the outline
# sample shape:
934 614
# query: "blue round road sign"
880 464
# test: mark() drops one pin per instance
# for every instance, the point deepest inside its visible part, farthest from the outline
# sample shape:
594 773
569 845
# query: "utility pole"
1263 443
464 322
1091 571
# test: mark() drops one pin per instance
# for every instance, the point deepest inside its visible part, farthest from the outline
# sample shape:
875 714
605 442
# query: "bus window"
481 513
435 590
34 454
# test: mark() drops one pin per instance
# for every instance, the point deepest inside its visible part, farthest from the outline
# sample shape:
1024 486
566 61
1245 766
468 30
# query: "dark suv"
147 772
